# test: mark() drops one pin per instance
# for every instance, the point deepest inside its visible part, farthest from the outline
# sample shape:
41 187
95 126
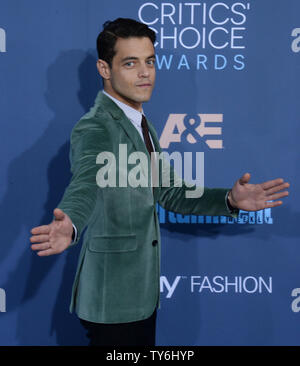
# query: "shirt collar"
132 114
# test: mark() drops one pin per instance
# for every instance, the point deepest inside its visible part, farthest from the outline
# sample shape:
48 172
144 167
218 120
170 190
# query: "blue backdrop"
234 67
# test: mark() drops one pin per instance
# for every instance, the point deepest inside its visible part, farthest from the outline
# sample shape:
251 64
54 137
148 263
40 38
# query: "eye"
151 62
129 63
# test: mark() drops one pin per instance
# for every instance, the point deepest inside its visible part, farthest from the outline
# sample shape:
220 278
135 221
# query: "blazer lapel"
110 106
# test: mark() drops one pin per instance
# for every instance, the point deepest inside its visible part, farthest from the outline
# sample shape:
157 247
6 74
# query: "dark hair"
120 28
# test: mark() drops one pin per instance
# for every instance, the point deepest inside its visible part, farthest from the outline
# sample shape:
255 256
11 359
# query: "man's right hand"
53 238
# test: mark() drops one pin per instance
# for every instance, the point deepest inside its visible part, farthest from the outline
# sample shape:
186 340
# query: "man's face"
132 75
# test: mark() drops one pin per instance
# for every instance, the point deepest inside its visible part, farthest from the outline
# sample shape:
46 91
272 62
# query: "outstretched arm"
254 197
79 197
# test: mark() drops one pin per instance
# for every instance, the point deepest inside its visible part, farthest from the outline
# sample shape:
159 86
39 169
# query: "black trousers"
139 333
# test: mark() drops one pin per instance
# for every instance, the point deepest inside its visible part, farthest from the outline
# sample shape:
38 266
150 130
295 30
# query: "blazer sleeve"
177 196
79 198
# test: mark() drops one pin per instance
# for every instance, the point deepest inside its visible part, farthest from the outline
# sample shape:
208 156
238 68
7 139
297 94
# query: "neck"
130 103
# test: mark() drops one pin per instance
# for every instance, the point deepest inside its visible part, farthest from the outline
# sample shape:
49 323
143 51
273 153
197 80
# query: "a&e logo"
193 128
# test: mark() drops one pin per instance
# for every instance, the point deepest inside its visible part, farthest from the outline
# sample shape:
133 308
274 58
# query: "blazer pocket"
112 243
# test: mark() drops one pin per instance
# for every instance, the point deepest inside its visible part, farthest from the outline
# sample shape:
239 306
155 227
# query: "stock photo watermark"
139 170
2 301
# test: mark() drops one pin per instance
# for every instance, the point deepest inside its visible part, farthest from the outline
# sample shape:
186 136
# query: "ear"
103 69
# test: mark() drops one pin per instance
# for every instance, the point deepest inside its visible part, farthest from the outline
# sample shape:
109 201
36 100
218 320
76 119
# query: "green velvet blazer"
118 273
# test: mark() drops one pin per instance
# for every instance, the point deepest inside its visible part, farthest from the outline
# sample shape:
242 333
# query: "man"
116 287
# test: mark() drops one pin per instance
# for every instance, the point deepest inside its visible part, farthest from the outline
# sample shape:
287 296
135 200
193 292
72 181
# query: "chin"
144 98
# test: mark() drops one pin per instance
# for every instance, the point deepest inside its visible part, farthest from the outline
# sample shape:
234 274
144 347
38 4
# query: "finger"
42 246
276 196
245 178
43 229
47 252
58 214
277 188
39 238
272 183
273 204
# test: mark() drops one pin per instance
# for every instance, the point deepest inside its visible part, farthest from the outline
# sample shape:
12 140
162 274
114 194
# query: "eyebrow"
135 58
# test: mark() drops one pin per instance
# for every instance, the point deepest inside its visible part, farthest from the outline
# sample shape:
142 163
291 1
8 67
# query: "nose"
143 71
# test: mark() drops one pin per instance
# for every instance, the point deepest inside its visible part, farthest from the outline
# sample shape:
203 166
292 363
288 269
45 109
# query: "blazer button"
154 243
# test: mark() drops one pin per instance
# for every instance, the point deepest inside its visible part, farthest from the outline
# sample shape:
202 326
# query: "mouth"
145 85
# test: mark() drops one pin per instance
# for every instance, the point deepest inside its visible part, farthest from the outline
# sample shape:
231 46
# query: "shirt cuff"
231 210
74 235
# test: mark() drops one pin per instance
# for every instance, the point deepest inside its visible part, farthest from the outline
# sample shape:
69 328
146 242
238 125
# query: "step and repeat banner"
227 85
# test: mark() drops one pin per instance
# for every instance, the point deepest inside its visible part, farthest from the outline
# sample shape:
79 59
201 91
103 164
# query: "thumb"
245 178
58 214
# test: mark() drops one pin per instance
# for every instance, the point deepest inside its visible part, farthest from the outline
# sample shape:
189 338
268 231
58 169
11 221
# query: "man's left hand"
254 197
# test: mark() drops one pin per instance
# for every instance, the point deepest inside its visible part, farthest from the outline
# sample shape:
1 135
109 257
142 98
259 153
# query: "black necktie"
145 131
149 146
